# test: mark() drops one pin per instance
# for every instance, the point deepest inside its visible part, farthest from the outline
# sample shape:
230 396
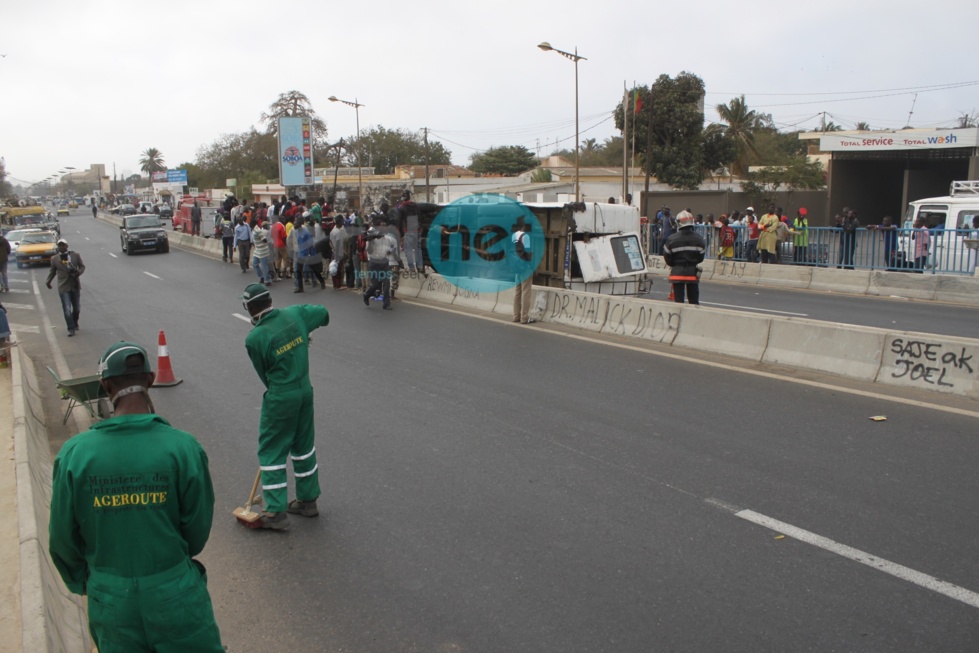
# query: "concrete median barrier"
435 288
483 300
576 309
854 282
903 284
958 290
731 333
850 351
409 284
736 271
929 362
785 276
644 319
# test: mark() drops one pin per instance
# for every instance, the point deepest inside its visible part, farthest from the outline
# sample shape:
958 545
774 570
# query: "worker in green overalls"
131 504
278 347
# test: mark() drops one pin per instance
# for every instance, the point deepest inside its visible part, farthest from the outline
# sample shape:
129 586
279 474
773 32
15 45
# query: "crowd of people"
306 241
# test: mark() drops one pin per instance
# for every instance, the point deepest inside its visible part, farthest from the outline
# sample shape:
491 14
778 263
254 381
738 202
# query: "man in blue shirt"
243 243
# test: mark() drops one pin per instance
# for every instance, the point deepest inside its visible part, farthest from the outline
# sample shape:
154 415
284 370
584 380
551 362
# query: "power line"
906 90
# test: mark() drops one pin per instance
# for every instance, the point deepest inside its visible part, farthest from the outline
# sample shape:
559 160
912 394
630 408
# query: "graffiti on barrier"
579 309
656 263
439 286
734 269
650 322
929 363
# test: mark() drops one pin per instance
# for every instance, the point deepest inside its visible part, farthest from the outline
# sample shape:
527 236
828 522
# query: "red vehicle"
181 218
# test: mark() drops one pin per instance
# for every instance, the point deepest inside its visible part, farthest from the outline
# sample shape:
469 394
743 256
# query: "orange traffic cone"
672 298
164 373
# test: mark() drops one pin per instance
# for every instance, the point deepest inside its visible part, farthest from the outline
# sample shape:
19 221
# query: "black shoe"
304 508
276 521
386 308
71 332
367 301
297 290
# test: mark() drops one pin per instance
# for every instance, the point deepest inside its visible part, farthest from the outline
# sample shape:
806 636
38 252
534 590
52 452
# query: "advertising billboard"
177 177
899 140
295 151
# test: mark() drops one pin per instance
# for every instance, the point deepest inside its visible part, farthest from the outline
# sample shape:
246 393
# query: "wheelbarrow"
84 391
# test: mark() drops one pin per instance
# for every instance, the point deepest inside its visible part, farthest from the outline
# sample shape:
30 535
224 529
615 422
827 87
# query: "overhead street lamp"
360 179
546 47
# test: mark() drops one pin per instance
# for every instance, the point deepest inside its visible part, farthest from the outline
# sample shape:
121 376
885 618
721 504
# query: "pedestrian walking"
380 245
131 505
243 243
4 256
227 231
68 267
278 347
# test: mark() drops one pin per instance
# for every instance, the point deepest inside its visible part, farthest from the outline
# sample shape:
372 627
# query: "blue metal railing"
866 249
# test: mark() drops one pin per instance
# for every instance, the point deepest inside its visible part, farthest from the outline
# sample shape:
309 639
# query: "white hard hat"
684 219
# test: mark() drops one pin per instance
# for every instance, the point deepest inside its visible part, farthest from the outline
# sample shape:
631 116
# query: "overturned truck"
590 247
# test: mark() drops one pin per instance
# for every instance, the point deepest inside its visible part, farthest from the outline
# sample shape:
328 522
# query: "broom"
245 514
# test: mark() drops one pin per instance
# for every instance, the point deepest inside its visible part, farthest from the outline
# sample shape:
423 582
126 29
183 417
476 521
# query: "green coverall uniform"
132 503
278 347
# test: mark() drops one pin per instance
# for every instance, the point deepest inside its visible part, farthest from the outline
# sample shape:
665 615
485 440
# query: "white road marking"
242 317
87 238
23 328
898 571
20 290
720 366
113 255
752 308
22 307
150 274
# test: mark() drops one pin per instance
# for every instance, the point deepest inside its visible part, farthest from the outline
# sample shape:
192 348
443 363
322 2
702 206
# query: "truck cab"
950 220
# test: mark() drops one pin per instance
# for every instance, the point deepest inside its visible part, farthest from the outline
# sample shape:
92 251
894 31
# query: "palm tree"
863 126
152 161
741 125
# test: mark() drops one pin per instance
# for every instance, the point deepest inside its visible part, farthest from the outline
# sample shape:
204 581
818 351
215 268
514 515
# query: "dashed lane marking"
23 328
918 578
242 317
21 307
150 274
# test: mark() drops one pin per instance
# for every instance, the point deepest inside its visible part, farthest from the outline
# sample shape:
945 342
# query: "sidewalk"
10 619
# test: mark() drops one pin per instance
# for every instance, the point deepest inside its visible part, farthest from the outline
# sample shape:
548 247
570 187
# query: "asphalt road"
495 487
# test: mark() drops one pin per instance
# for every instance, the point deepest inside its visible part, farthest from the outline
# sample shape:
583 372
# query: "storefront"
877 173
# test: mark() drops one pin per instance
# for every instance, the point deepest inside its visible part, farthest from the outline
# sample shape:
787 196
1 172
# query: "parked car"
164 210
37 248
16 236
143 232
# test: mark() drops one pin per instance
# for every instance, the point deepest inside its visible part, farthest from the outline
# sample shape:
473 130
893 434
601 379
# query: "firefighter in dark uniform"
684 252
131 504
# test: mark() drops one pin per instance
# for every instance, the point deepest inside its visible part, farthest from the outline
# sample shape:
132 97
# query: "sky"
100 81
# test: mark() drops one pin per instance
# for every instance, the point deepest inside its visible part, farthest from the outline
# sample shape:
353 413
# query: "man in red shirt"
281 256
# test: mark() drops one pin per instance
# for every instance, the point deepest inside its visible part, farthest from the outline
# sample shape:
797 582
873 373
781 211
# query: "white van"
950 221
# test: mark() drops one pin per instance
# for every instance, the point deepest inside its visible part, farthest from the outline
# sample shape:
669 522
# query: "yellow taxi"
37 248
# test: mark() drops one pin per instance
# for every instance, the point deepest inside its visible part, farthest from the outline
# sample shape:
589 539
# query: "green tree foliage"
5 188
152 161
541 176
741 125
386 148
673 108
290 105
249 157
506 160
719 149
797 174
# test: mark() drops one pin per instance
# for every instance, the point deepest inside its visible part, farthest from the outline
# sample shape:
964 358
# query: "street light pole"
575 57
360 179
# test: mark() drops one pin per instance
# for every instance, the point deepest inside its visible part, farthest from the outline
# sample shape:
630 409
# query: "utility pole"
113 177
625 139
428 191
649 153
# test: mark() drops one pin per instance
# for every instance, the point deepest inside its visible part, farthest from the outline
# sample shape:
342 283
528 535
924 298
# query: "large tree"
799 173
249 157
152 161
383 149
506 160
673 107
289 105
5 189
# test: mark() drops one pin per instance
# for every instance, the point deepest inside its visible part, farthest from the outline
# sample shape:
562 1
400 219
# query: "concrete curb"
52 618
